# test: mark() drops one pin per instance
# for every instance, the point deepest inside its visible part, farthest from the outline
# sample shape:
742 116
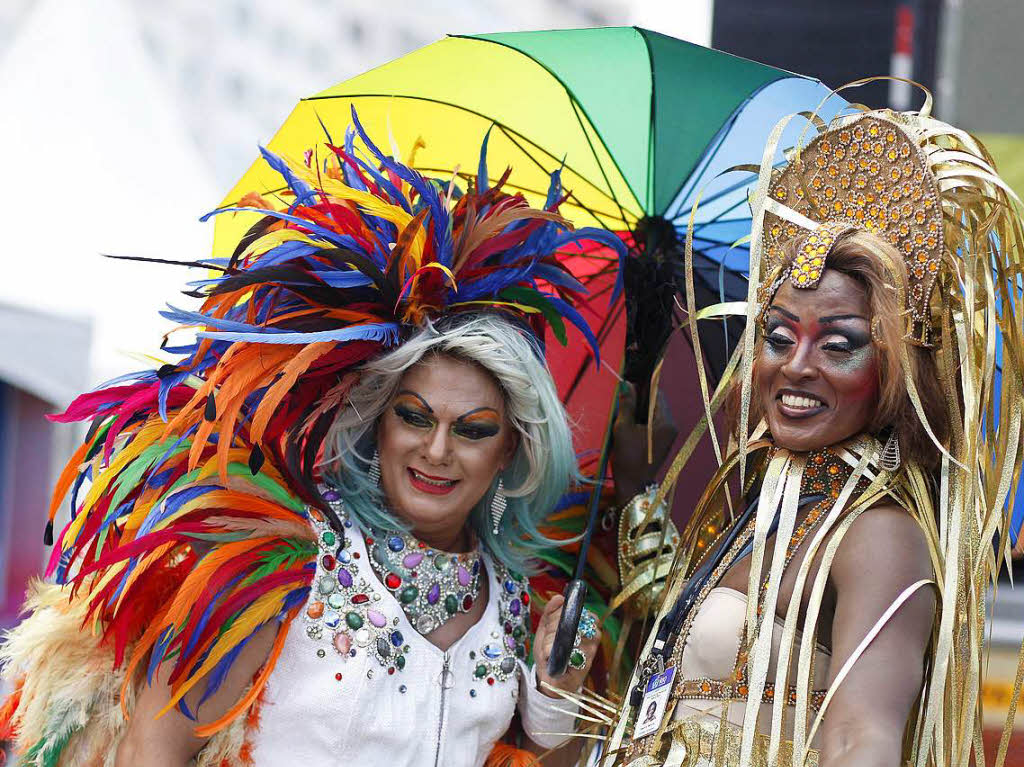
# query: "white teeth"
791 400
436 482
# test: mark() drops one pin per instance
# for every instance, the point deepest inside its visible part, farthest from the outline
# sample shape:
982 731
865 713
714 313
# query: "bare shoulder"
883 543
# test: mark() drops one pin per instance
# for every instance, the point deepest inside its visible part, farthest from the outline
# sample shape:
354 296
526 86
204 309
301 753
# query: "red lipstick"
426 483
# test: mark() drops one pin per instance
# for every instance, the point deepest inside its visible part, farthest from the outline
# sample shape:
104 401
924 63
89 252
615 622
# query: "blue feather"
304 193
387 332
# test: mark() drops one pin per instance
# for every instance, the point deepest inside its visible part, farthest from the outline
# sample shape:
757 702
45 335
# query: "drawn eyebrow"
838 317
472 414
784 313
423 402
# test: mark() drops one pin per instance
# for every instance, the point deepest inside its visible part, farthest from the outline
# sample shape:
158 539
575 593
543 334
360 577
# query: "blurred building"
838 41
238 67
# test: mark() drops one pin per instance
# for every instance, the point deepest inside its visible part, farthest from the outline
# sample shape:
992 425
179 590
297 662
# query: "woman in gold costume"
837 616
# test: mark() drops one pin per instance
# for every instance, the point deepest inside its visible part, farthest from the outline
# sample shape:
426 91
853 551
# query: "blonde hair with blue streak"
544 463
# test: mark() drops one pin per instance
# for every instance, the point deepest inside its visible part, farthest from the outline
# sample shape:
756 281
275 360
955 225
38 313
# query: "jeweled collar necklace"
432 586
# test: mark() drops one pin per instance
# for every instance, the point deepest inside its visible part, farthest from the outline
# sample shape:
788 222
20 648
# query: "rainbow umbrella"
640 124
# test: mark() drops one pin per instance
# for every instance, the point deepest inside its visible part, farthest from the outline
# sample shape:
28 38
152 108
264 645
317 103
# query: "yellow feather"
143 439
263 609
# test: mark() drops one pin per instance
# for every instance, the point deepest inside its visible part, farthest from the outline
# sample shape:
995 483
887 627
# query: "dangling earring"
498 505
889 458
374 471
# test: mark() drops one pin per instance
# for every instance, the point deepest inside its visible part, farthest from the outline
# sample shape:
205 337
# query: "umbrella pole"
576 591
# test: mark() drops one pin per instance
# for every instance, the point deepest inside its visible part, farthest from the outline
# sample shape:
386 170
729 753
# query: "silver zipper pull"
447 679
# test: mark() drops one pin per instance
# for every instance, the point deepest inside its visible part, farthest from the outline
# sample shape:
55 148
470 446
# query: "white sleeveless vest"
356 684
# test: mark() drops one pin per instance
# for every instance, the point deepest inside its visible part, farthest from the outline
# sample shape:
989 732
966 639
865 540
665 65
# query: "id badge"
652 709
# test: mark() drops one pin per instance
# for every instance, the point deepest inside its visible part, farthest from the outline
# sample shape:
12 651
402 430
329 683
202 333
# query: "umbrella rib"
709 155
720 137
507 130
683 213
573 98
600 167
571 195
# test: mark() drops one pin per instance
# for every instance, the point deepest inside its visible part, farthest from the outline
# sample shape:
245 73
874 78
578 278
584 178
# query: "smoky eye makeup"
847 340
772 335
410 409
478 424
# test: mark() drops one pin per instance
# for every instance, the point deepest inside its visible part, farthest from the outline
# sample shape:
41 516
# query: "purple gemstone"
463 576
434 594
412 560
344 577
332 495
515 607
510 642
376 618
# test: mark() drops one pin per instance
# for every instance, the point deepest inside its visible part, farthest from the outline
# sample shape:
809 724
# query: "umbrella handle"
568 625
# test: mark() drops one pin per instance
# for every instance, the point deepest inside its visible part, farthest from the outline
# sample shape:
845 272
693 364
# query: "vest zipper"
445 671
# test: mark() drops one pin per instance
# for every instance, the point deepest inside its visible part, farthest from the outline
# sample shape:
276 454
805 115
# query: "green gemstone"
517 632
400 662
441 561
472 654
481 671
354 621
329 538
409 594
576 659
451 604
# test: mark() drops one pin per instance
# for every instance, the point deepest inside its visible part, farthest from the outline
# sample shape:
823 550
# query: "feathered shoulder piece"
192 493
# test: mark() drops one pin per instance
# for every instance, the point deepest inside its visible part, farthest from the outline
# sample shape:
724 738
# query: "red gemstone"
338 676
355 554
413 573
391 670
327 562
422 545
467 603
392 581
526 598
369 541
490 680
360 599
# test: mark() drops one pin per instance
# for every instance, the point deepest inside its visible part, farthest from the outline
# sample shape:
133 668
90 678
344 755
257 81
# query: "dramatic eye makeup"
841 332
477 424
414 410
845 332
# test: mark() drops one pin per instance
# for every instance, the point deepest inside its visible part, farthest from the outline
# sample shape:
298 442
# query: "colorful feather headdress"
192 492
